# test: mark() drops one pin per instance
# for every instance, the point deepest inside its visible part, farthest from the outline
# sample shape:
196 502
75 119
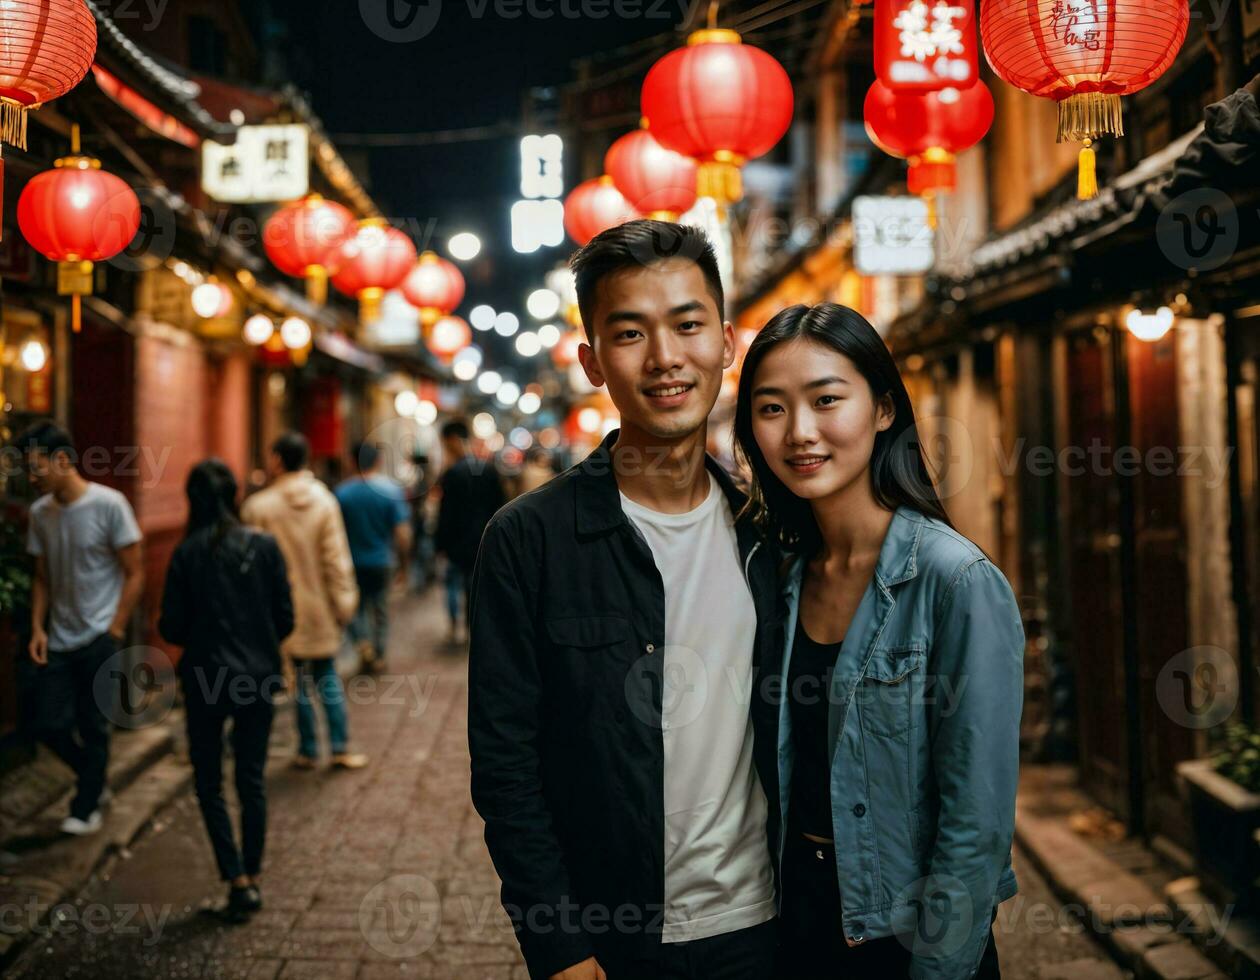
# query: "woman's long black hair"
211 490
899 471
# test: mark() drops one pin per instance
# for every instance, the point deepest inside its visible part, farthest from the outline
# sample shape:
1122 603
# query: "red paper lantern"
924 45
376 259
655 181
1084 54
77 215
305 240
449 336
46 48
434 286
593 206
721 101
928 129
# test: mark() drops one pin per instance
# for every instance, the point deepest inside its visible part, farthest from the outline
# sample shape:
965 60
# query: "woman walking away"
902 670
227 603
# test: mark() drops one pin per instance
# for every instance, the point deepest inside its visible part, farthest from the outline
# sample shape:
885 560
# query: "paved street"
380 873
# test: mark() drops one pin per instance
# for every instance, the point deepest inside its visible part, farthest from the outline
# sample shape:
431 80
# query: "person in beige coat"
305 519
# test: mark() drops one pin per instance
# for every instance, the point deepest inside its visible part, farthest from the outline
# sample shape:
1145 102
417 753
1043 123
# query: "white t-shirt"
718 876
80 544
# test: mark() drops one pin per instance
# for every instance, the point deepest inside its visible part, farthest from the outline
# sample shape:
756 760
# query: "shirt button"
651 648
859 810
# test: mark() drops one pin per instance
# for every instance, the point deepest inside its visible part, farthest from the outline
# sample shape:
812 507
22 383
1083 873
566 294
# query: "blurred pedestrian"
305 519
422 539
471 494
377 524
537 471
227 603
88 579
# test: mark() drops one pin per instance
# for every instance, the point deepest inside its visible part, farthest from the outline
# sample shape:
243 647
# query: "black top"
227 603
564 712
471 494
809 679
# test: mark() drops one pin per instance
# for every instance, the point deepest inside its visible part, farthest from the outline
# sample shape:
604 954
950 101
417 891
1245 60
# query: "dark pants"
747 954
68 716
813 946
371 622
251 729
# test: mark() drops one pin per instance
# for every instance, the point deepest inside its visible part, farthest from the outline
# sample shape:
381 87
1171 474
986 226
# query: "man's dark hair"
637 244
293 450
455 429
47 436
365 454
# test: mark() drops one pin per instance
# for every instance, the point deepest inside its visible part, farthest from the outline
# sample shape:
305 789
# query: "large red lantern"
593 206
435 287
1084 54
721 101
928 129
924 45
305 240
375 260
77 215
655 181
46 47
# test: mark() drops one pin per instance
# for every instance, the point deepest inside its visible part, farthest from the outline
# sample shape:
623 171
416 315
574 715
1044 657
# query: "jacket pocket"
588 632
887 693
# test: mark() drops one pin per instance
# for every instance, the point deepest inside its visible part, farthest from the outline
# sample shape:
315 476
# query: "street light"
542 304
529 403
483 425
549 335
506 324
426 412
528 344
508 393
406 402
465 246
33 355
489 382
258 329
295 332
464 370
1150 326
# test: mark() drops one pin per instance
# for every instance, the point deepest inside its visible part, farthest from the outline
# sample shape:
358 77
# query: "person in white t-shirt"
623 614
88 579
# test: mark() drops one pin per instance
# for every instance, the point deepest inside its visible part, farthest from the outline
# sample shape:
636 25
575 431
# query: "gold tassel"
1087 173
930 201
76 312
370 304
1089 115
317 284
720 180
13 117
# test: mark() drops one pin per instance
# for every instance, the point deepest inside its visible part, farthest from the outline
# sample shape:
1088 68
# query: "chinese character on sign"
928 31
267 163
1075 24
925 45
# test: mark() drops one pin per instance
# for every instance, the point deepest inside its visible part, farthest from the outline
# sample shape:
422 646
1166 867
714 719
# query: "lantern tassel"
317 284
930 201
13 116
370 304
1087 173
76 313
1088 115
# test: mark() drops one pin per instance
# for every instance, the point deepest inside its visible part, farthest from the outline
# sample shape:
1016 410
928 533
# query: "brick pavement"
380 873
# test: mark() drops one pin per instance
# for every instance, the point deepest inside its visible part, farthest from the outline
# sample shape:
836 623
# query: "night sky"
472 69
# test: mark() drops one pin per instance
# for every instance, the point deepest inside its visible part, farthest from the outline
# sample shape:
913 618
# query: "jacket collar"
898 555
599 501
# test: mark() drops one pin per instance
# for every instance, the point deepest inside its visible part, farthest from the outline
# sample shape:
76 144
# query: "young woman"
902 672
227 603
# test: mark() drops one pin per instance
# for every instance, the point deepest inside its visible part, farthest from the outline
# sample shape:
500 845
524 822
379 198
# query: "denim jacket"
923 729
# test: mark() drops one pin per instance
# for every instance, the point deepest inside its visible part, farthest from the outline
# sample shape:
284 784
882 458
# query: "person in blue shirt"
377 524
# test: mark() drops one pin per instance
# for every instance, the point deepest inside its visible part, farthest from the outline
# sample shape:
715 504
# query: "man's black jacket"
471 493
565 682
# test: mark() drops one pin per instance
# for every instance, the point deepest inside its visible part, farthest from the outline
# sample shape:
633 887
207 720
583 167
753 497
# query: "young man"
622 750
378 526
88 579
303 516
471 493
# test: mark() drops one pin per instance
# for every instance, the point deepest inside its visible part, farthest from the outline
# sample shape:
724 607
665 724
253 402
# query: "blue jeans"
458 582
319 676
371 621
